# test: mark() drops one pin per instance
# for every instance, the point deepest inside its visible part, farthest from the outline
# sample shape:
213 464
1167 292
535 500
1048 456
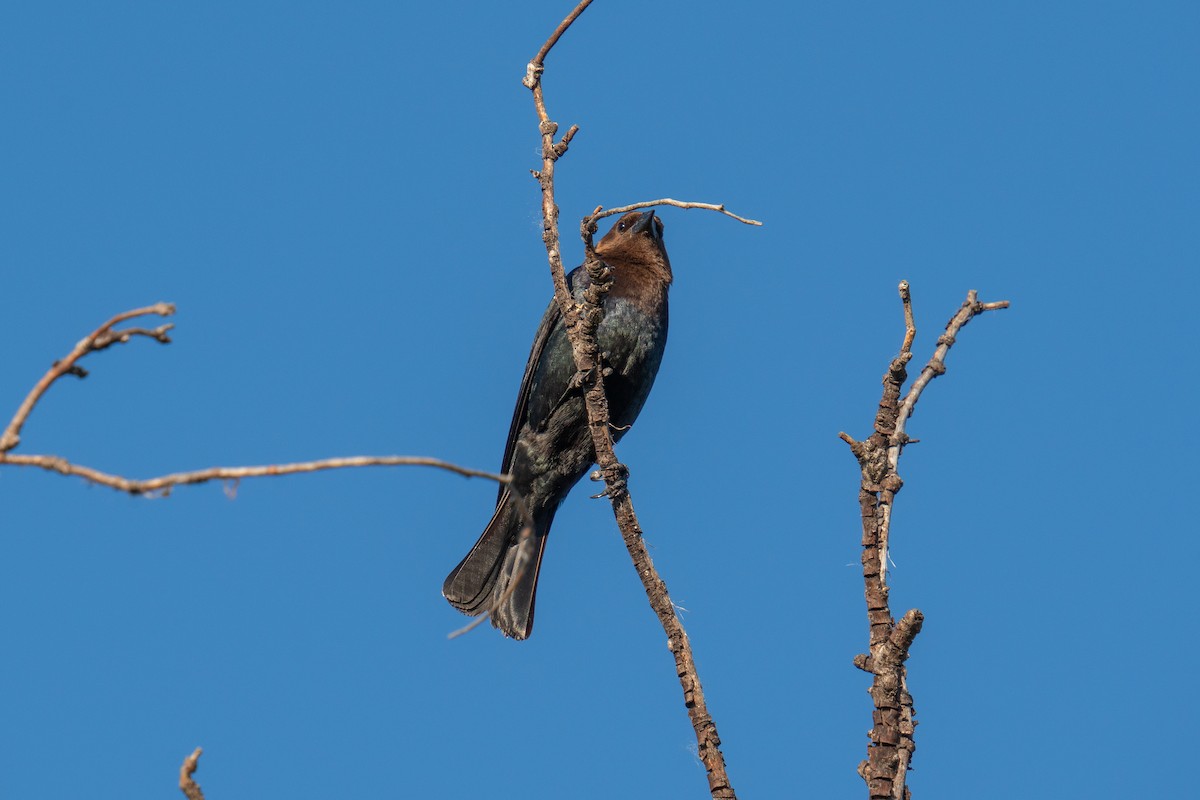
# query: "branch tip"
187 785
910 325
540 58
99 339
667 201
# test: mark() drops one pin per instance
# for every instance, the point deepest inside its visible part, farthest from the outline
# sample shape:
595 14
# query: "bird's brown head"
637 241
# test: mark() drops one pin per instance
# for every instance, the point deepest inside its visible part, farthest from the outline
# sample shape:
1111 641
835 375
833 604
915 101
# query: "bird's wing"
550 320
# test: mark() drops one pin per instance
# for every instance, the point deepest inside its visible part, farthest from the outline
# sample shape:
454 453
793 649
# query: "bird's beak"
646 222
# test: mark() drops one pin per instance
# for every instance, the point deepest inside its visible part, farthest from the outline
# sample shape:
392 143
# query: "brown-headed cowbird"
549 446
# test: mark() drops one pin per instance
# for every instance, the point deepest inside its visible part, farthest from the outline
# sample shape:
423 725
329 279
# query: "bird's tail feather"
499 575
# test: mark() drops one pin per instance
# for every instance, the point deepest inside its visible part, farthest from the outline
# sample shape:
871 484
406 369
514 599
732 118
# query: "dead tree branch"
581 320
667 201
187 785
99 339
161 486
105 336
892 745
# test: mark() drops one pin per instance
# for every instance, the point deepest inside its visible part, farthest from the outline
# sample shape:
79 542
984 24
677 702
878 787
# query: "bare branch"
97 340
892 745
936 366
910 325
581 321
189 787
105 336
162 486
534 69
666 201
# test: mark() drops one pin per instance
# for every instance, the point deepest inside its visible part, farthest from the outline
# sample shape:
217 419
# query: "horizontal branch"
598 214
162 486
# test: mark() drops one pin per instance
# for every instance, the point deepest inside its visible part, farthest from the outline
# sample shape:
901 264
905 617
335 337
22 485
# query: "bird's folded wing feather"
550 320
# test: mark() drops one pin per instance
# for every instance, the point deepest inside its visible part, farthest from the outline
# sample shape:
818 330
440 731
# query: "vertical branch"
187 784
892 745
551 152
581 320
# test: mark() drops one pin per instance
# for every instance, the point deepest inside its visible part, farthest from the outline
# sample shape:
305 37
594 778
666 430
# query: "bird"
549 446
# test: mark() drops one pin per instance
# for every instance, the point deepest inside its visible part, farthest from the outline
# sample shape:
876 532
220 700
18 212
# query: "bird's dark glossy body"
549 446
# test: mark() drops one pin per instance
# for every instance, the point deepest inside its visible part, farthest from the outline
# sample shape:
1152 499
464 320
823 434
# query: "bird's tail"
500 573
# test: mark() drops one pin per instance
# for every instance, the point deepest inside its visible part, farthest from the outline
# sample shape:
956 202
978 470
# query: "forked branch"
892 744
103 337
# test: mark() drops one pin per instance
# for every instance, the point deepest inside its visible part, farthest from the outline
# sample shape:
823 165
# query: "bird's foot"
616 479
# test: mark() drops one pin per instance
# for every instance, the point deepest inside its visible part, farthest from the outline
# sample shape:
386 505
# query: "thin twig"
970 308
97 340
667 201
890 750
910 333
581 320
540 58
161 486
105 336
187 785
910 325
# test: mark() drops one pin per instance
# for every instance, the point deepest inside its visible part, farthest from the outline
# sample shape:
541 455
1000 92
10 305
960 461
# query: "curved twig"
667 201
99 339
540 58
970 308
187 784
106 336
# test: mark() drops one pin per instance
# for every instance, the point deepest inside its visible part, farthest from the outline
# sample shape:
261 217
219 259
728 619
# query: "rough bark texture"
581 321
891 739
892 745
187 784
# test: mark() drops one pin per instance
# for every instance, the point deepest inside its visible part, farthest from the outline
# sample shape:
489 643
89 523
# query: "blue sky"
337 197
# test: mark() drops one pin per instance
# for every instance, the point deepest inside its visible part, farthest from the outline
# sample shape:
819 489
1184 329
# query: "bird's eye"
621 227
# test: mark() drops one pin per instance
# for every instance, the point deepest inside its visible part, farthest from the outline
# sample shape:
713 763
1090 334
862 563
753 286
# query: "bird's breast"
632 342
